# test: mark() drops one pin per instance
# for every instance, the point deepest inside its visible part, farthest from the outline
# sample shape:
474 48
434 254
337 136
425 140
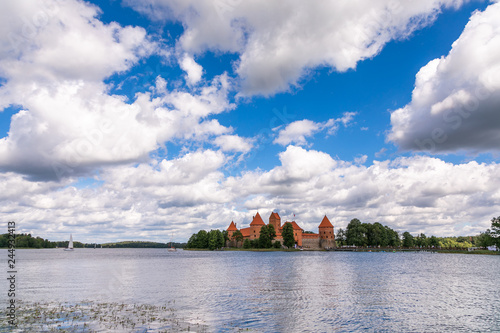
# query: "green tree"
484 239
22 241
408 240
215 239
221 239
238 236
4 240
287 234
392 237
340 238
271 231
377 235
225 234
420 240
264 239
247 244
266 236
356 233
202 240
495 230
277 245
433 241
192 242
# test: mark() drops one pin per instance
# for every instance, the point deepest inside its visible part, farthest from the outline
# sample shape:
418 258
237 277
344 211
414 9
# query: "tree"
271 231
238 236
264 240
420 240
225 234
495 230
392 237
433 241
287 234
202 239
247 244
356 233
377 234
221 239
408 239
192 242
266 237
484 239
215 239
277 245
340 238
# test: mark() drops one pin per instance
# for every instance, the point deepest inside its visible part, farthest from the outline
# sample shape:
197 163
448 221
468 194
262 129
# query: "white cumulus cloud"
53 64
279 41
298 131
455 103
193 70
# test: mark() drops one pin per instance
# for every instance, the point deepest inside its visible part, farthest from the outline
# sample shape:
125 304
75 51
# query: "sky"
153 119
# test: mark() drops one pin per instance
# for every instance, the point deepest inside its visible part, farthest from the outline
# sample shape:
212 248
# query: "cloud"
189 193
233 143
455 103
77 127
278 42
297 131
47 41
53 65
193 70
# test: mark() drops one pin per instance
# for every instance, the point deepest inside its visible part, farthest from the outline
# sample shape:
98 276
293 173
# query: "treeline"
376 235
213 240
366 234
27 241
141 244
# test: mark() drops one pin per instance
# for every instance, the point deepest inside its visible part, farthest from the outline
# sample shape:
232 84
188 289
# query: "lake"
225 291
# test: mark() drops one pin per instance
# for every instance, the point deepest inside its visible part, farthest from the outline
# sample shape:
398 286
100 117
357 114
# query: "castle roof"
275 215
257 220
245 232
310 236
294 225
232 227
325 223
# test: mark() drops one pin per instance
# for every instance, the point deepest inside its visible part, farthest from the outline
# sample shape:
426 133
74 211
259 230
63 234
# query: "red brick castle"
325 238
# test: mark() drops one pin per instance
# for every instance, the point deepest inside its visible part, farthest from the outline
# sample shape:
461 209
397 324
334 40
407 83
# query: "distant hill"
28 241
140 244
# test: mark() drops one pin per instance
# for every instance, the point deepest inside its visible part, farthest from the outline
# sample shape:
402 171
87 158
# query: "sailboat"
172 248
70 244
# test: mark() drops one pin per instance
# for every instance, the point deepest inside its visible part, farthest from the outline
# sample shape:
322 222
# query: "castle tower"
275 221
255 226
231 229
326 234
326 229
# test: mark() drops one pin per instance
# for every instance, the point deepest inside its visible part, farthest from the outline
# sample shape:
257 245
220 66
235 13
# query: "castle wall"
327 243
310 243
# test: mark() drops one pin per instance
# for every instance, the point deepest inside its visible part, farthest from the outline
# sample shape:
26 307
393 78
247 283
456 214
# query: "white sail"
70 245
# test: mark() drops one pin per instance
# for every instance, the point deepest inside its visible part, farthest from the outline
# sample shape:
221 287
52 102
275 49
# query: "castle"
324 239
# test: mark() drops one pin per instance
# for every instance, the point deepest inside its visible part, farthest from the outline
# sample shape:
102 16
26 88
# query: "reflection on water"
277 291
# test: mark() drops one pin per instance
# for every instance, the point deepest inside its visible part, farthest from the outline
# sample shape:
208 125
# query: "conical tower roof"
257 220
325 223
232 227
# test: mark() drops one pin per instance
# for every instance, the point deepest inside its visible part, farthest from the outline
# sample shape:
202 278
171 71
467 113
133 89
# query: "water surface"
277 291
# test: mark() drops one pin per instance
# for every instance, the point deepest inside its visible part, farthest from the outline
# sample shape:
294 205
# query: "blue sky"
136 120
